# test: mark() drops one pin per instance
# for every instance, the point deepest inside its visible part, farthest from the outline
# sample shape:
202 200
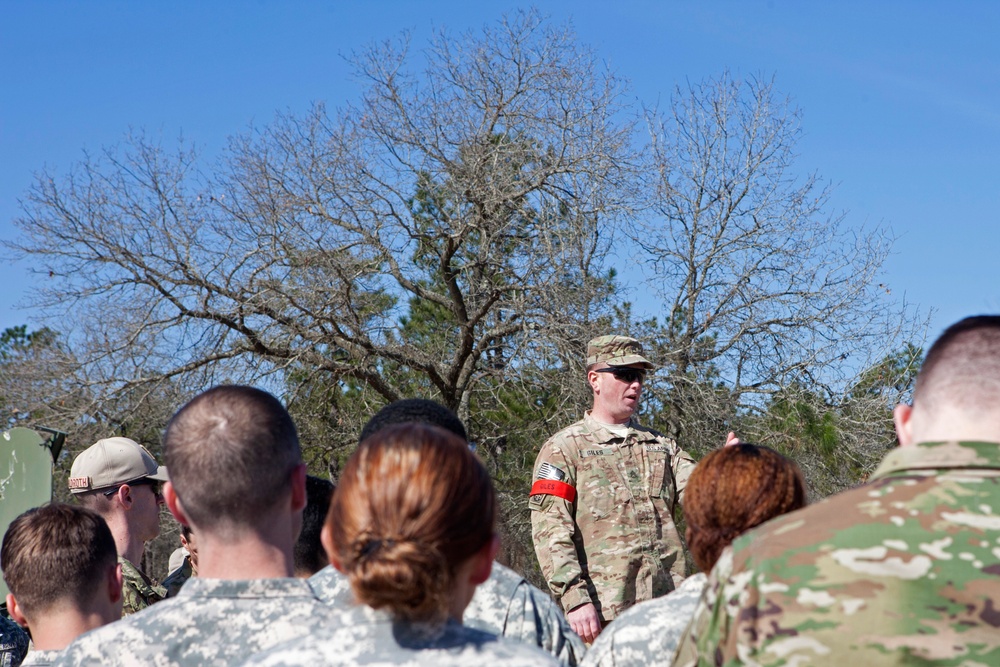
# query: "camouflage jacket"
13 642
603 515
505 605
172 584
138 592
210 622
902 570
364 636
648 633
41 658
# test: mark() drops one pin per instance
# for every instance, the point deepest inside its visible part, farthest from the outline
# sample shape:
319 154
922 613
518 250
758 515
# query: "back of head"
57 554
734 489
420 410
412 504
961 373
231 451
308 556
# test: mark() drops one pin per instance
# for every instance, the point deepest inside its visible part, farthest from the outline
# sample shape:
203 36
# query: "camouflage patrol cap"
616 351
112 462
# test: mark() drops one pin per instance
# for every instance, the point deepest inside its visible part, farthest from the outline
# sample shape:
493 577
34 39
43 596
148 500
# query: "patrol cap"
616 351
112 462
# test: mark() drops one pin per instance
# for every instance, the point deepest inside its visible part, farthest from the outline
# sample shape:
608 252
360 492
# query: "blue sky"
900 100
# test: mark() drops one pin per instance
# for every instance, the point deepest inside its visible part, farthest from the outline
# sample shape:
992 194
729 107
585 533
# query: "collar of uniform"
602 434
415 634
937 455
287 587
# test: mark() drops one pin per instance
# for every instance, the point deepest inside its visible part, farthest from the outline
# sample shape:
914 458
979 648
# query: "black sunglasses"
626 375
142 481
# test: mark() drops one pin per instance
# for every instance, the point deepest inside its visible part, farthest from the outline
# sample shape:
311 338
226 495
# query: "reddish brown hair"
734 489
412 504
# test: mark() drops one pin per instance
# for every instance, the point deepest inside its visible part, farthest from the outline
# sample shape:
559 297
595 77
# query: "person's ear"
299 497
484 561
14 611
115 583
594 380
174 504
124 496
902 417
326 538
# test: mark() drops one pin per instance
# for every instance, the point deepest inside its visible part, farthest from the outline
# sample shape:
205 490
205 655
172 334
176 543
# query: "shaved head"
963 366
234 449
957 393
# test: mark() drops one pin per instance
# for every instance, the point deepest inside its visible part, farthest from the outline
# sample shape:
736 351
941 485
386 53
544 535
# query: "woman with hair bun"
412 526
730 491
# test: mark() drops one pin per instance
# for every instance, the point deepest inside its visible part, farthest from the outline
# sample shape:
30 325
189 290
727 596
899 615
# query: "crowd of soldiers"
396 564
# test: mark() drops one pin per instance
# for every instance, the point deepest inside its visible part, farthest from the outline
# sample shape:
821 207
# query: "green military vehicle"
27 457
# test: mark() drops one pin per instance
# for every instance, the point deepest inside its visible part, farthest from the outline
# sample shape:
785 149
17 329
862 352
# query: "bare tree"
475 195
761 288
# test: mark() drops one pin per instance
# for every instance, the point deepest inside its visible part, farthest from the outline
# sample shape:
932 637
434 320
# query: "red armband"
549 487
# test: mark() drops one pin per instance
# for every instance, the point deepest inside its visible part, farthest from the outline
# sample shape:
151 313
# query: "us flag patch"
549 482
549 471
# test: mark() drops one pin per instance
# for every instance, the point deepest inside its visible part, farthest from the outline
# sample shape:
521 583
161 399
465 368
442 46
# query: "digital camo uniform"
903 570
138 591
41 658
648 633
13 642
364 636
210 622
505 605
602 515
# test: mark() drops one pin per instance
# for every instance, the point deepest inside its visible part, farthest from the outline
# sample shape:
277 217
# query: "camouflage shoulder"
138 595
332 587
649 632
569 438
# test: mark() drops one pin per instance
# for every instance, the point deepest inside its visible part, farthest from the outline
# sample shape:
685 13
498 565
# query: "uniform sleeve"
553 526
558 637
681 464
709 625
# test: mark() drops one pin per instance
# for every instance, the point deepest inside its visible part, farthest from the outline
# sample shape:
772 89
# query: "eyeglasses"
156 486
626 375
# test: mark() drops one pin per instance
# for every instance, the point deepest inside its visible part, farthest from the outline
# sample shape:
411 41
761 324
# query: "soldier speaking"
603 498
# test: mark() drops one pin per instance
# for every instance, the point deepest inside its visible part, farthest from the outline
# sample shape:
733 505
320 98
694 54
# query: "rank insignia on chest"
549 482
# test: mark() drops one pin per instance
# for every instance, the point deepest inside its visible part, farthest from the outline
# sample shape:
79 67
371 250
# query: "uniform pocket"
605 490
656 465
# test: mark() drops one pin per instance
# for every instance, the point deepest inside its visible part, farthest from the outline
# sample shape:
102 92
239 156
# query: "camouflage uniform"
647 634
138 592
13 642
41 658
210 622
333 588
903 570
607 534
364 636
172 584
505 605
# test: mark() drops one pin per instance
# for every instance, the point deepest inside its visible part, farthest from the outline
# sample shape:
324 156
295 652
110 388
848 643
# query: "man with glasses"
602 502
120 480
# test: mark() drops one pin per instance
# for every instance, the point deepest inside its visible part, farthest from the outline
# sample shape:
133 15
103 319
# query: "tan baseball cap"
112 462
616 351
